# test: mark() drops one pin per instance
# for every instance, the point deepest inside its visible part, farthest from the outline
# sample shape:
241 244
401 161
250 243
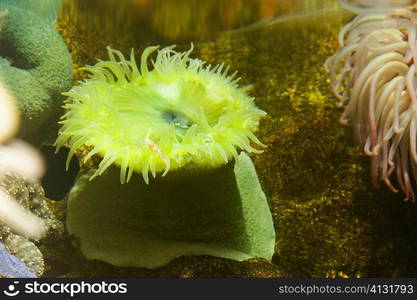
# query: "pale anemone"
17 157
374 74
180 113
360 6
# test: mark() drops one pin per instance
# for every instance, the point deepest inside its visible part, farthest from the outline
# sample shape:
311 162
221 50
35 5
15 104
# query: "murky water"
166 22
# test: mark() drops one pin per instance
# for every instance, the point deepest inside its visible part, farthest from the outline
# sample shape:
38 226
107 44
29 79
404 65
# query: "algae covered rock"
11 266
47 9
27 252
20 254
221 212
35 65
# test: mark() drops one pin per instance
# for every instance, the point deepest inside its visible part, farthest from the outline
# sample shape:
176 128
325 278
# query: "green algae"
331 221
47 9
35 65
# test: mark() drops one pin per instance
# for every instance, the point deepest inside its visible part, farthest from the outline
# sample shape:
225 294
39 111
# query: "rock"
36 67
27 252
29 195
11 266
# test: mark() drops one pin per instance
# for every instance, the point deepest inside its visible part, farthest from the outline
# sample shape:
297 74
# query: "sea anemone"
17 157
182 115
182 112
359 6
374 74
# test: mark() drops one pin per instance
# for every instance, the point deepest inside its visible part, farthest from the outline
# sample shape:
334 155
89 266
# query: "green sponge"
220 212
35 65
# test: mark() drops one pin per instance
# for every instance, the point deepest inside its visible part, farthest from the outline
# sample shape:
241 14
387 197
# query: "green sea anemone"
183 116
181 113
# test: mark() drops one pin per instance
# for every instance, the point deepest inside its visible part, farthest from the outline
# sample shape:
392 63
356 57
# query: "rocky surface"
30 195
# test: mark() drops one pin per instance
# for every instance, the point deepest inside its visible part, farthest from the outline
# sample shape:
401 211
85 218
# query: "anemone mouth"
179 113
374 76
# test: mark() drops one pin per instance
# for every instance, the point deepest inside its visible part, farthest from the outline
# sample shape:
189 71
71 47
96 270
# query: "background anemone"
362 5
180 113
25 219
17 157
375 75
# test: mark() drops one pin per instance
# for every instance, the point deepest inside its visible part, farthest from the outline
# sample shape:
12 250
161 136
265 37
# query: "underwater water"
329 220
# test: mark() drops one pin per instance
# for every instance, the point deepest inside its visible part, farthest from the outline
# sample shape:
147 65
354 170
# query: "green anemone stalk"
181 116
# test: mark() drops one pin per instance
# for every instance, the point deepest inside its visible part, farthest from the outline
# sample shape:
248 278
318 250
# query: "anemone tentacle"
181 112
374 76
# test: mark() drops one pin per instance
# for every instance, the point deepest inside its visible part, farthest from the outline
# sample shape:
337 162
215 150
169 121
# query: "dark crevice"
8 51
57 181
